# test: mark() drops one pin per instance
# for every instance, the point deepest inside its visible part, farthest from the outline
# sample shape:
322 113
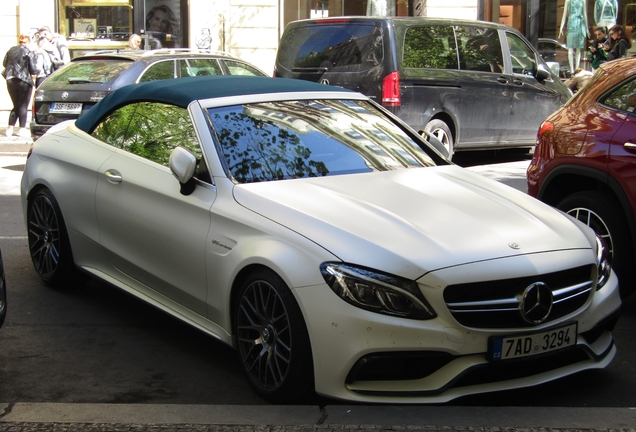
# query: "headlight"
602 263
377 292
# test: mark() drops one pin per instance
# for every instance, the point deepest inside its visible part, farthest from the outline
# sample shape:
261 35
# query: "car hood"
413 221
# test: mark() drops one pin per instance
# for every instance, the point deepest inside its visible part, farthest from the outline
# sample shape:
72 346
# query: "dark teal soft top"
181 92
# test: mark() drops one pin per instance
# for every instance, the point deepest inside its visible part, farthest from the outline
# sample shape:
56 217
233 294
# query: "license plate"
534 343
66 108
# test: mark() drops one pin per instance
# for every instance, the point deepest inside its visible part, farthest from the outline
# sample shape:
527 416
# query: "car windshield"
311 138
90 71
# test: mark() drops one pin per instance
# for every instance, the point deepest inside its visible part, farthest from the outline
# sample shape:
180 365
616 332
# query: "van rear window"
332 48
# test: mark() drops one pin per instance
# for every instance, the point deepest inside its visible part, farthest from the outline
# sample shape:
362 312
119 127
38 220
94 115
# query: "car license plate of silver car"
509 347
66 108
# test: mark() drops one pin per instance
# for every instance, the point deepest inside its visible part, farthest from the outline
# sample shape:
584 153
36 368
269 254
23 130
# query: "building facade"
250 29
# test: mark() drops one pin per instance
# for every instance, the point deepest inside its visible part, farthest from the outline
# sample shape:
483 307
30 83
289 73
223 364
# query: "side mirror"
542 73
183 165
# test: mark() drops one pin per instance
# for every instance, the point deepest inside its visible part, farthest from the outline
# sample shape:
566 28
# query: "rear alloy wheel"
48 240
442 132
272 339
601 213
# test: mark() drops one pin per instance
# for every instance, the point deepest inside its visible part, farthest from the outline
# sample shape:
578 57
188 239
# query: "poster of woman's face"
162 21
161 16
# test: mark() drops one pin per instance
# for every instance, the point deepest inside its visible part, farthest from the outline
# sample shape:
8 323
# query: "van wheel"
603 214
442 132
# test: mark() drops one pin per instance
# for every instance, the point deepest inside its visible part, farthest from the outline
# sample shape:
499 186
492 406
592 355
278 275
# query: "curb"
22 416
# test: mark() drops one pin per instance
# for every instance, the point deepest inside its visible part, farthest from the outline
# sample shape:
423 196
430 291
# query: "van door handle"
113 176
502 80
629 146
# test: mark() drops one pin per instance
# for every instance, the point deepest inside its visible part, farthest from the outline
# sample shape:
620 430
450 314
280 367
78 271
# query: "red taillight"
546 129
391 90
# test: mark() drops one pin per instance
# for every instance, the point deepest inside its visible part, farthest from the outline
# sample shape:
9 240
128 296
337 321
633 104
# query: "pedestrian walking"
58 48
597 53
134 42
19 69
619 43
43 62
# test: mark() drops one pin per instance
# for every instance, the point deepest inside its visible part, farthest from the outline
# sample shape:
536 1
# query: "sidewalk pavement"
23 417
13 144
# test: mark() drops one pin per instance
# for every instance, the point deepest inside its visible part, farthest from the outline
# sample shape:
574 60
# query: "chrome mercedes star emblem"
536 303
324 81
514 245
65 95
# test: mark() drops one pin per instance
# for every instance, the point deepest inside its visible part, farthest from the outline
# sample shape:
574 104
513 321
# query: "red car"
585 162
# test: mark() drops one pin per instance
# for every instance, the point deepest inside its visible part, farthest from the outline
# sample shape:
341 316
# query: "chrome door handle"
630 146
113 176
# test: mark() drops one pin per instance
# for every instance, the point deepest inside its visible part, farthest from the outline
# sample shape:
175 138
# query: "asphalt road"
92 343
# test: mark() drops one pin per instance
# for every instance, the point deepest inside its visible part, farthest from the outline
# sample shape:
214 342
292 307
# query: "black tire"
272 339
605 216
443 133
49 245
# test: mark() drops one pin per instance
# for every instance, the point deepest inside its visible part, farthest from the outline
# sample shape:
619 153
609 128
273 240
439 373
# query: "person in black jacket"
19 69
619 43
597 54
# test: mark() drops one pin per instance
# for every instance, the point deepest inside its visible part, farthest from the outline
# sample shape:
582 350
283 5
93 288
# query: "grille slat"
495 304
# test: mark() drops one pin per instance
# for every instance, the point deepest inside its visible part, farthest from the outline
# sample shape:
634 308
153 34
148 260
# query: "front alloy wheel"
272 339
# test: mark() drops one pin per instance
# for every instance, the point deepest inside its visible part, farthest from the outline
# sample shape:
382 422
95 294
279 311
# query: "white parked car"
322 238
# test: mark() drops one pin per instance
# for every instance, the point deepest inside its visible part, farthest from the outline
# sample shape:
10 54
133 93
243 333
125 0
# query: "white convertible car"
327 242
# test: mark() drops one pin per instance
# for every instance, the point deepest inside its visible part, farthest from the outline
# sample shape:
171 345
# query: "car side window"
159 71
479 49
113 129
430 47
523 59
199 67
238 68
623 97
156 129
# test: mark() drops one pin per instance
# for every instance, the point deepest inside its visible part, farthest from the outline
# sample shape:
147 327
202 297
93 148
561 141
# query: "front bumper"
439 360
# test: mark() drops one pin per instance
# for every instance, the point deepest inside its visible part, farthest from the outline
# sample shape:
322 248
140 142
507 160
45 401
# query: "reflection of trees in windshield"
257 150
284 140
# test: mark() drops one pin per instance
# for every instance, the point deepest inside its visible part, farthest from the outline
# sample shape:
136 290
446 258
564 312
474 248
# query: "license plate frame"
66 108
535 343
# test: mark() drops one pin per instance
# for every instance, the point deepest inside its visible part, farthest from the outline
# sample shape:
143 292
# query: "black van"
473 84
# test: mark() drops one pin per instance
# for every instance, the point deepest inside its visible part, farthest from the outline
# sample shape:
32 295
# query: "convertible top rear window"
312 138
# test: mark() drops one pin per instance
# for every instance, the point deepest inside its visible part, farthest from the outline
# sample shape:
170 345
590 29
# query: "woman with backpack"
19 70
